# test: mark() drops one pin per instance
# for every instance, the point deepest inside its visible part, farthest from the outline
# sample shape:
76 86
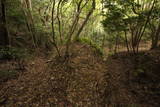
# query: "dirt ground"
86 81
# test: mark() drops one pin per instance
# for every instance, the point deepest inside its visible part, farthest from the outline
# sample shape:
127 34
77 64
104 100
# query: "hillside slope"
134 80
53 83
86 81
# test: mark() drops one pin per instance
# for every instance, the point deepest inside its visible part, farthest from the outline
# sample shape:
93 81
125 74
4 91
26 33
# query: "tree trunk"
86 20
155 38
53 30
126 40
103 41
116 44
27 10
74 25
4 39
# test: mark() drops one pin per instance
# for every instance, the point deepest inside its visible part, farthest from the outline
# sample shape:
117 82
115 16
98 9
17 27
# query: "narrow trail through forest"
79 53
53 84
87 81
126 87
117 91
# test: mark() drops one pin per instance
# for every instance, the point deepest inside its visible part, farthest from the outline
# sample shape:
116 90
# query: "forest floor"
86 81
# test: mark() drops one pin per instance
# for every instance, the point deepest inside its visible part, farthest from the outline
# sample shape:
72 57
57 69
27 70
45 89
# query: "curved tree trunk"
86 19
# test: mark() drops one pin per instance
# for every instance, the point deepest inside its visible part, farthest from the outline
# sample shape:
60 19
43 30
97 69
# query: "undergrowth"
12 53
95 46
7 74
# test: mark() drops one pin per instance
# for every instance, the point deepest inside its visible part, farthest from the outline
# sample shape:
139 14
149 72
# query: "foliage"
47 24
15 14
133 18
7 74
95 46
12 53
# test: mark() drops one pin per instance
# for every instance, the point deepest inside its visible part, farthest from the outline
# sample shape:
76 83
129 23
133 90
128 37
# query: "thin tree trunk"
86 19
156 38
59 21
27 10
145 26
53 30
103 41
116 44
126 40
73 27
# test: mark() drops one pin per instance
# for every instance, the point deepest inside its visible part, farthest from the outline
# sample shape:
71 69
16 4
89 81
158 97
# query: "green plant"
12 53
95 46
7 74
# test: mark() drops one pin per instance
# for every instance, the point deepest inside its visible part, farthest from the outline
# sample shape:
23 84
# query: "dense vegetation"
83 53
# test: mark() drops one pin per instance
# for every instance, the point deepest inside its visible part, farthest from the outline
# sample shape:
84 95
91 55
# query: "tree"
154 26
4 39
80 7
27 10
132 17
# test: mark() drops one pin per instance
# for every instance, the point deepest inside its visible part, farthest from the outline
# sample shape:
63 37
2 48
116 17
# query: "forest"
79 53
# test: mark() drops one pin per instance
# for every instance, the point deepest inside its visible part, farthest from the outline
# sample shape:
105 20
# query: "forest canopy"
50 23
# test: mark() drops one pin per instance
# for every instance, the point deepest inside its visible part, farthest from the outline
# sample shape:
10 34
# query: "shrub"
12 53
7 74
88 41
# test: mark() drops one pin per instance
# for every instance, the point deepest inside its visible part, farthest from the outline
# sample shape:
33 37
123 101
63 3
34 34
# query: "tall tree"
4 39
27 9
79 9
